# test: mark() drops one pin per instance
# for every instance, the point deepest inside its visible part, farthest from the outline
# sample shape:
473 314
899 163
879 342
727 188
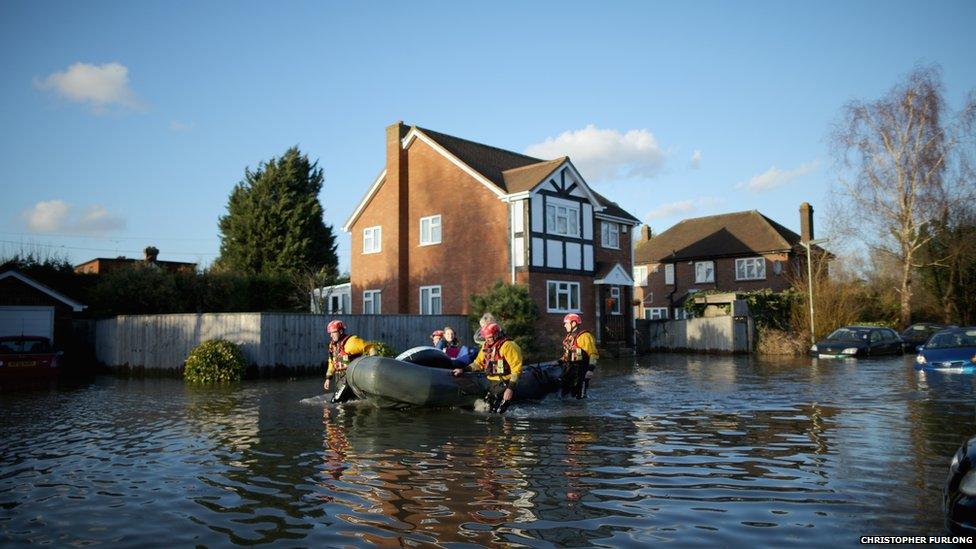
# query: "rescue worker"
501 359
579 357
343 349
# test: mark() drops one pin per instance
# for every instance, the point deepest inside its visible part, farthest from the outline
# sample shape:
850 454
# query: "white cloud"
681 207
775 177
99 86
180 126
605 154
57 216
696 159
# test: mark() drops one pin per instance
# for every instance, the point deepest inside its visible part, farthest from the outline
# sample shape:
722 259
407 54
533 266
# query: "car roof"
24 338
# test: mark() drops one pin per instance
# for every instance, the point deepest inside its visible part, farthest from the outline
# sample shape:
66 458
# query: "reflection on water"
679 448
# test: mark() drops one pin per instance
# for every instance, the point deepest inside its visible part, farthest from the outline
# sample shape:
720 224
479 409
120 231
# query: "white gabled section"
414 133
75 306
617 276
362 203
573 174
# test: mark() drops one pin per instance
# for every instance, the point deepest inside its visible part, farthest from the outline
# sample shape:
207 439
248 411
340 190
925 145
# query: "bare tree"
896 151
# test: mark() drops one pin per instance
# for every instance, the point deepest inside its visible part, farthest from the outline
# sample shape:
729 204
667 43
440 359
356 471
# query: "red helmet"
437 333
491 330
573 317
336 326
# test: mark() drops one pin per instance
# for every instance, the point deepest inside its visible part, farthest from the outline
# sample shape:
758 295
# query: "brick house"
742 251
105 265
448 217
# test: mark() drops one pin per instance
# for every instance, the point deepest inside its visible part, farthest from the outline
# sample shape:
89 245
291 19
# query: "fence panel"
266 339
717 334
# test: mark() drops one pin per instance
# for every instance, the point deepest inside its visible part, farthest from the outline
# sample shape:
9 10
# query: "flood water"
683 448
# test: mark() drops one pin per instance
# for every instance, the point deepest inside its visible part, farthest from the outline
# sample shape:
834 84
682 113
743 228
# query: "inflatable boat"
422 378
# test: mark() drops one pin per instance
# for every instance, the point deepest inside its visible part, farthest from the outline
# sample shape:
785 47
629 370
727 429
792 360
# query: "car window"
876 337
37 347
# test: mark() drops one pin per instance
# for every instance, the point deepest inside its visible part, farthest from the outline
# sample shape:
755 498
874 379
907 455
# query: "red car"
27 356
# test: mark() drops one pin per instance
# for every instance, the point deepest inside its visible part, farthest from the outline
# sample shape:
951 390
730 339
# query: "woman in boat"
452 344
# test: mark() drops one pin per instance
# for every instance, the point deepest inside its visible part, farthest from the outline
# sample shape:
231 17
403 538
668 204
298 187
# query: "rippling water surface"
688 449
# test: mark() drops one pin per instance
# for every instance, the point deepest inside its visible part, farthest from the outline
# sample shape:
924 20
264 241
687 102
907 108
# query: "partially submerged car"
959 495
917 334
28 356
951 350
858 341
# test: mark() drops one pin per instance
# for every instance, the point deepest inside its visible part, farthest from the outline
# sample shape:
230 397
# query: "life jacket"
572 352
495 363
340 358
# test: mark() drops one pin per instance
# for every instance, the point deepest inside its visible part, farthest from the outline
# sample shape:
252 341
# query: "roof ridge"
429 131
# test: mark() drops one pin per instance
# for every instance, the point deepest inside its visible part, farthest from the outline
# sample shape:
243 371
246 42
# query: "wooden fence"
267 339
723 334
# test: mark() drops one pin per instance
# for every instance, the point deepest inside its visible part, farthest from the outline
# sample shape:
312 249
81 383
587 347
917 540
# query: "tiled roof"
488 161
723 235
510 171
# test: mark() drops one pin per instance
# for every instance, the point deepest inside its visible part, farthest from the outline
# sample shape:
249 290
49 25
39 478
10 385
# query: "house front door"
613 325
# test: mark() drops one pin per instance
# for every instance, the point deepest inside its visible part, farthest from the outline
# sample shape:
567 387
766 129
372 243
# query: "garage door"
32 321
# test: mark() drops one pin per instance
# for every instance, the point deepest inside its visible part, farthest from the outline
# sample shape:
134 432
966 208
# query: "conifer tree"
274 220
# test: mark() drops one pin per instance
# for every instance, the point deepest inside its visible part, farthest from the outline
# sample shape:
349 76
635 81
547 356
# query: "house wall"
724 280
474 248
549 326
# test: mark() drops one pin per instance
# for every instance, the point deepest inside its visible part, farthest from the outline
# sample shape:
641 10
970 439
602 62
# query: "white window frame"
610 235
615 296
432 234
372 302
563 288
373 239
563 210
669 274
680 313
655 313
427 302
640 275
758 265
702 271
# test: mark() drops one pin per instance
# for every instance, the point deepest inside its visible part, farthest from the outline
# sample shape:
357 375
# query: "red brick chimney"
151 254
645 233
806 222
396 174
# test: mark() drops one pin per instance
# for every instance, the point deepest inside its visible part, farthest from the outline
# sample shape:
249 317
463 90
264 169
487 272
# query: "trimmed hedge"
214 361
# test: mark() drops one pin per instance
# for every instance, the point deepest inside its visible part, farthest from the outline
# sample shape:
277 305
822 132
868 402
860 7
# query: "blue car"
952 350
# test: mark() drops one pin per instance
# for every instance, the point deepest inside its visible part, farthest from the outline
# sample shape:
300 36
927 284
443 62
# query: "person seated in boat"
501 359
343 349
452 344
579 357
437 340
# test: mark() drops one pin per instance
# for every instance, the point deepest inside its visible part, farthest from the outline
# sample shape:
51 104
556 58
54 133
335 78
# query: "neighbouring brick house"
742 251
448 217
105 265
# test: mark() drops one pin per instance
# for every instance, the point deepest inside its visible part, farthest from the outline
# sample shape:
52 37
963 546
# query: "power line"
36 235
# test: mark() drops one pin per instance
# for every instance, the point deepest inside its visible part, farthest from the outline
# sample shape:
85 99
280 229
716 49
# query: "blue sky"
126 124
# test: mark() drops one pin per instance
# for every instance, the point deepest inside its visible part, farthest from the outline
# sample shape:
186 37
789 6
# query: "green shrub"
214 361
514 309
382 349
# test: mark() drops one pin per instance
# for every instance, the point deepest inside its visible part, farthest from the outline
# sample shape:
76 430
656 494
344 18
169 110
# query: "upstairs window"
640 275
611 235
750 268
430 300
669 274
562 218
430 230
371 239
704 272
